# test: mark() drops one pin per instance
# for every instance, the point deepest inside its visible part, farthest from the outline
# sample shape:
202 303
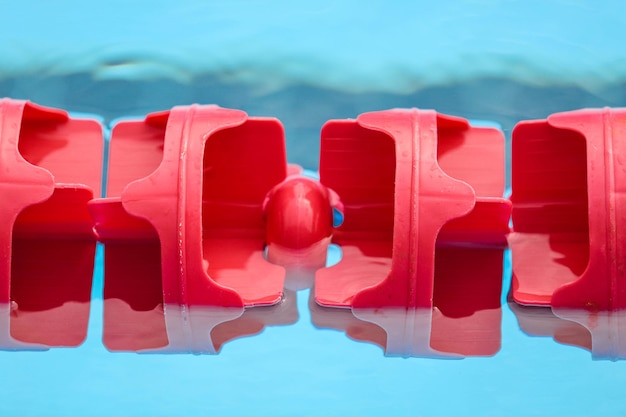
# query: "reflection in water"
416 332
465 319
50 294
608 341
194 329
137 320
603 333
62 326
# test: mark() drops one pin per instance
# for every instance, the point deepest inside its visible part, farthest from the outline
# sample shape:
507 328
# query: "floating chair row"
204 224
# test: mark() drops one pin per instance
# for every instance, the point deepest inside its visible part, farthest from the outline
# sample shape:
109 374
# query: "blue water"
301 370
481 59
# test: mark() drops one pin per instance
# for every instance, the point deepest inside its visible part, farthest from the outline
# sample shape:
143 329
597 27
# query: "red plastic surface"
412 182
50 167
424 230
185 201
299 219
569 183
203 218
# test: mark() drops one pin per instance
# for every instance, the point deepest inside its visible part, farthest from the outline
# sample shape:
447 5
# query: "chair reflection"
132 325
465 319
603 333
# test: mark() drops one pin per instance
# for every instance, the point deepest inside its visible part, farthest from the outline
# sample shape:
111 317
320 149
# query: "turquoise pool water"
305 64
299 369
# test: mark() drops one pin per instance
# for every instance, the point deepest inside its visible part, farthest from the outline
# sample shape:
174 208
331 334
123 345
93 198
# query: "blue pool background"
301 370
503 61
